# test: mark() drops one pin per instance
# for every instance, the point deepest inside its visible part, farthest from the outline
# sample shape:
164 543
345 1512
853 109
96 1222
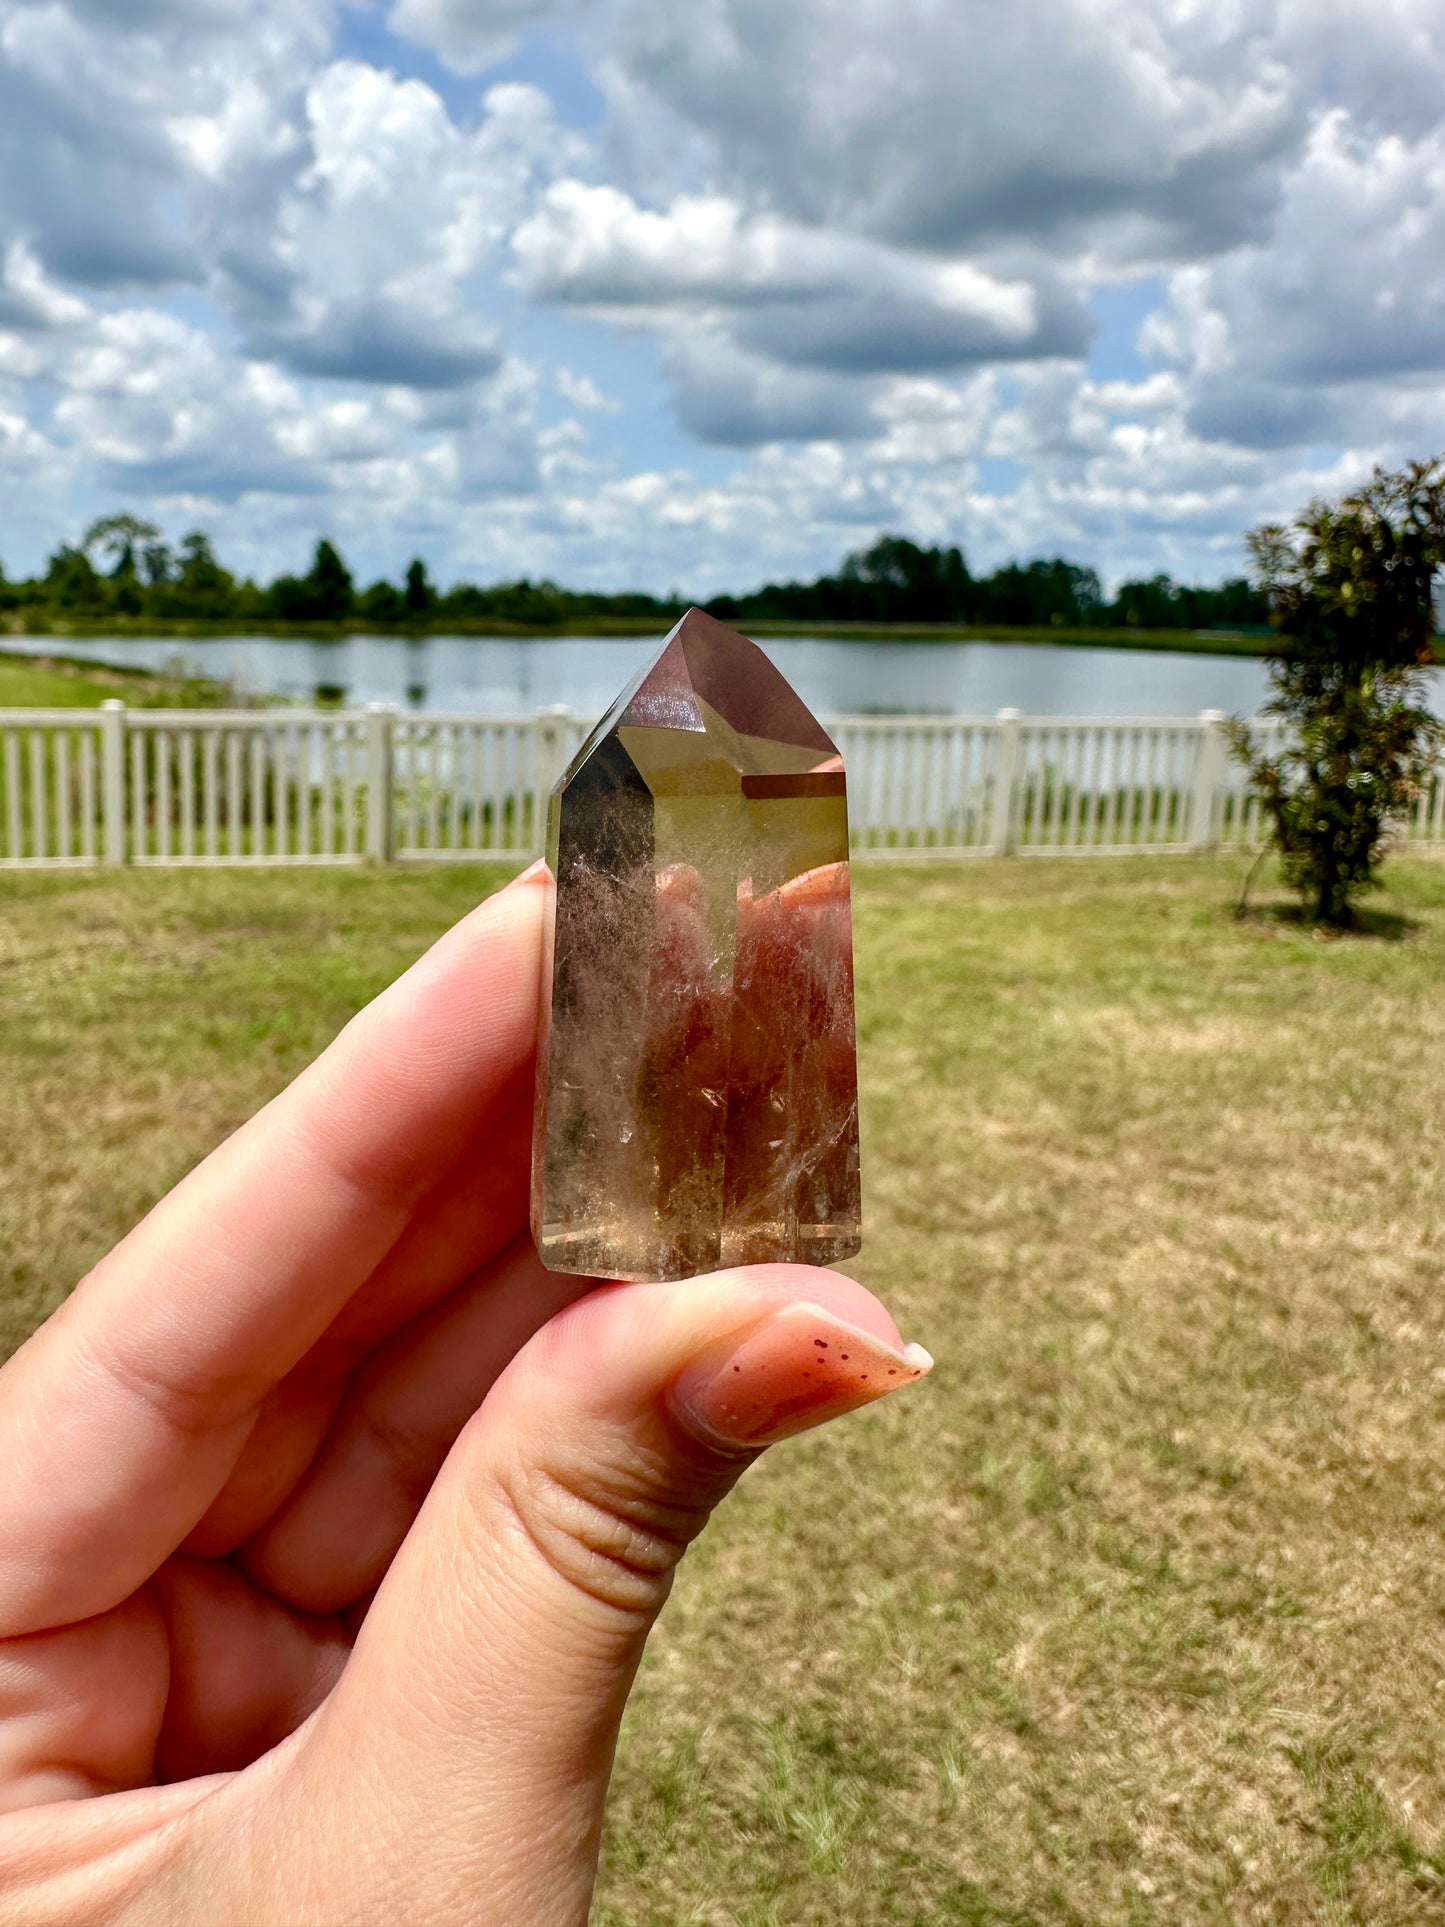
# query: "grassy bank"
50 682
1185 641
1132 1614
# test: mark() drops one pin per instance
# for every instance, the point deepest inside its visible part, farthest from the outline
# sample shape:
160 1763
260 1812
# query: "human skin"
332 1525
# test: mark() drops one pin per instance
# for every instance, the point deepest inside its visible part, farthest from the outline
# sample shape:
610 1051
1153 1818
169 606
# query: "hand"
332 1525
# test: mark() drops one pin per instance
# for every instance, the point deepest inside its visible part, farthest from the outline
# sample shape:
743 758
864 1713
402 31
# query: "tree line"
123 568
896 580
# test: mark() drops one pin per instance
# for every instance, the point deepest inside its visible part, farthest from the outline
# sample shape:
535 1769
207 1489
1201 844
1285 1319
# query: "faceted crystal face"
697 1090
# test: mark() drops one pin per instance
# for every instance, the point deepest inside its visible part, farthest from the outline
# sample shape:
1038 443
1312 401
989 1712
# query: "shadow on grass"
1371 926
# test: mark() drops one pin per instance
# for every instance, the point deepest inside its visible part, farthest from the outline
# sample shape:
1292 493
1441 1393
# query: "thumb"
468 1745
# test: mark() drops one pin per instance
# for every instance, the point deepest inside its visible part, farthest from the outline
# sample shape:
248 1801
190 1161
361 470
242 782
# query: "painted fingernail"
798 1367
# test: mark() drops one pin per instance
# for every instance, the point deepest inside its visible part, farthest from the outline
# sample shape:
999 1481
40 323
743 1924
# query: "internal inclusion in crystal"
697 1091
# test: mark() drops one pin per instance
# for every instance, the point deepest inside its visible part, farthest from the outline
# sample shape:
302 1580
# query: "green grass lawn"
1135 1612
52 682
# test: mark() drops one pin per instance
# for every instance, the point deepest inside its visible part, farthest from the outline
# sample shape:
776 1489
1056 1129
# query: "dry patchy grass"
1134 1613
144 1016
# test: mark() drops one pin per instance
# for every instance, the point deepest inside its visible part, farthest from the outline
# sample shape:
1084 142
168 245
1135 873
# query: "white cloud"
470 35
761 317
1335 331
240 131
1151 124
594 244
157 405
731 397
109 117
582 392
363 272
251 280
29 298
803 294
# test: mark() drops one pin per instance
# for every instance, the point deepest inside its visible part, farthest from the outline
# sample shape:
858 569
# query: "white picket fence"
167 786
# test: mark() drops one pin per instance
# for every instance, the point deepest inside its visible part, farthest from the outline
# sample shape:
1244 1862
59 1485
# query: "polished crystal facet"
697 1091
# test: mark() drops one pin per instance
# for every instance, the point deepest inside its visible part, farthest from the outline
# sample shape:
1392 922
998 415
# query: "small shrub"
1350 586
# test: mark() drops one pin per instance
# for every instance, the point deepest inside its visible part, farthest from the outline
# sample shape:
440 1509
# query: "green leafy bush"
1350 586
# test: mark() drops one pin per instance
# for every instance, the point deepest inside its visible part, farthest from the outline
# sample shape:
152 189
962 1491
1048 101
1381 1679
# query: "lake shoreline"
518 676
509 676
1172 641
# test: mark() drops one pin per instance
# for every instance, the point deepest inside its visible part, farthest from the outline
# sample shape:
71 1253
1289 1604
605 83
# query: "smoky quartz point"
697 1090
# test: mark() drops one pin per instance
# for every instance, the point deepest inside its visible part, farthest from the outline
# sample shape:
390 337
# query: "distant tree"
249 602
330 583
906 583
1235 604
325 594
201 587
383 602
289 599
893 580
119 536
1350 586
72 584
157 564
420 595
1159 602
1150 604
1086 590
1050 592
540 604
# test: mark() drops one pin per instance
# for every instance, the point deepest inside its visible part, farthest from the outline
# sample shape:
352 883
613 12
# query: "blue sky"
636 295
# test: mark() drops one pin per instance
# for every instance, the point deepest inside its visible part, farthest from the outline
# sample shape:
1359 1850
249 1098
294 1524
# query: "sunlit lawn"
50 682
1135 1612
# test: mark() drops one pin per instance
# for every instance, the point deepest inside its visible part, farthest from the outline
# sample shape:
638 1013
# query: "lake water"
506 676
512 676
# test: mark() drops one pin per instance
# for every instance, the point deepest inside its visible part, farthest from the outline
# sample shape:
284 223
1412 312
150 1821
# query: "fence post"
546 769
112 780
1000 837
1208 779
380 777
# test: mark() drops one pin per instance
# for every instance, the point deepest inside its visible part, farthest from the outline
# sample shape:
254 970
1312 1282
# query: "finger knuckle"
602 1533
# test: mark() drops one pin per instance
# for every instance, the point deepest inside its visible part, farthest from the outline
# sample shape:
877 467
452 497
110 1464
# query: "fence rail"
170 786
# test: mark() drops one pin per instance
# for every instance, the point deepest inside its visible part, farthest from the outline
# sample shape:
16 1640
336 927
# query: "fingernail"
533 873
796 1368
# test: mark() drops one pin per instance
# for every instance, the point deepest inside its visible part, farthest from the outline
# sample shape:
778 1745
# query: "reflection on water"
511 676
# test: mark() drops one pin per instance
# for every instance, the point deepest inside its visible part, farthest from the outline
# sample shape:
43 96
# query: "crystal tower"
697 1091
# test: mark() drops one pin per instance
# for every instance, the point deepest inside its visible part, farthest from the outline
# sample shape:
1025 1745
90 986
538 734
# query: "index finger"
123 1415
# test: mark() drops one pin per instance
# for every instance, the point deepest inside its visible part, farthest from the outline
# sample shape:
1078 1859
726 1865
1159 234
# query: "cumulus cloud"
29 298
158 407
100 112
582 392
470 35
733 399
1128 487
848 247
1147 126
336 216
773 330
1336 330
161 409
801 296
362 274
